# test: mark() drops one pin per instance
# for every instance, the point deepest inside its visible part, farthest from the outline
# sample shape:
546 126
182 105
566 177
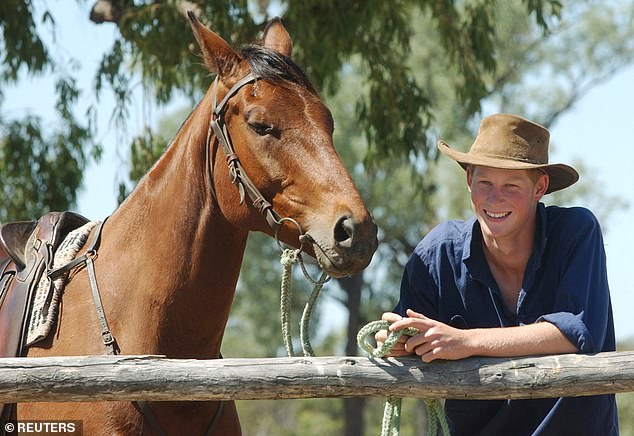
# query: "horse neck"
187 255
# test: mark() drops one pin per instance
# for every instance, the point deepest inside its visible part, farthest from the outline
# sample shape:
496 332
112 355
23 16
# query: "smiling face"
505 201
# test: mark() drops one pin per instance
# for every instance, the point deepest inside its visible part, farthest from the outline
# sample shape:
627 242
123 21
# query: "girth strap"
144 408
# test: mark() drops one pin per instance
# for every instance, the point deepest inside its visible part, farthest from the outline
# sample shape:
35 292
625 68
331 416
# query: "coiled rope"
392 412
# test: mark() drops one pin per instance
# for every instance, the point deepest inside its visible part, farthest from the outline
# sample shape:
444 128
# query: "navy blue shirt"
565 283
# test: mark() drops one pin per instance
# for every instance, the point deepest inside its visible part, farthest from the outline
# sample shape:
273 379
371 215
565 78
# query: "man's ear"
219 56
469 171
541 185
277 38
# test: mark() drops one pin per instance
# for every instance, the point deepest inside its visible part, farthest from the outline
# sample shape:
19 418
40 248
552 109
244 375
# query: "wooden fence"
96 378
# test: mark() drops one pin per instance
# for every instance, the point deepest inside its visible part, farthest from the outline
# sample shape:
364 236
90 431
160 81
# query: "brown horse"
170 255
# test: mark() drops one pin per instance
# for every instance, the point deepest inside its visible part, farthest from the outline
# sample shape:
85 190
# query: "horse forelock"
270 65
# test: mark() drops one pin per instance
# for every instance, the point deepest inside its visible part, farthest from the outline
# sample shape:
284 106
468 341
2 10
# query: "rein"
289 258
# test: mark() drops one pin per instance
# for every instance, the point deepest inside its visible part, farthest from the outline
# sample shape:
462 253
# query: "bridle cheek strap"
238 176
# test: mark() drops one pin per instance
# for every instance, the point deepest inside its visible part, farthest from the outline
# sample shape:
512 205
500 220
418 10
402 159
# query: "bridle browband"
239 177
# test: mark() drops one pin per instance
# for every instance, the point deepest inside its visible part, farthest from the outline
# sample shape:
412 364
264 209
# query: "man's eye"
262 129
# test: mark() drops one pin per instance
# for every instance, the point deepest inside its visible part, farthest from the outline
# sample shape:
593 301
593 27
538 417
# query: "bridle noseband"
238 176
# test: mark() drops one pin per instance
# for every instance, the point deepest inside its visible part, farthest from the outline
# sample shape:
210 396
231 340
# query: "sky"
596 130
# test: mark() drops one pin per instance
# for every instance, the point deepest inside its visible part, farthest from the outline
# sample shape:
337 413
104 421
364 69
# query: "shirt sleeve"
419 291
582 301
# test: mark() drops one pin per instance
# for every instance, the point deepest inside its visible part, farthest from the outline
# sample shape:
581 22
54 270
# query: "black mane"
270 65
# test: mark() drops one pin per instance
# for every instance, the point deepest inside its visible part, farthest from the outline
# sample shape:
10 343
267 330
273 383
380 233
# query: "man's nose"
495 194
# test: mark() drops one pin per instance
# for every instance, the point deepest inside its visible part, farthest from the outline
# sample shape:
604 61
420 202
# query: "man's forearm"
532 339
437 340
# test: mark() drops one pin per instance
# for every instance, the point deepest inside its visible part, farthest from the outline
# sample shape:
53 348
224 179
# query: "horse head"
280 136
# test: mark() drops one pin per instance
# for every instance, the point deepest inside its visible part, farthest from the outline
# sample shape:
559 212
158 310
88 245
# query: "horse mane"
272 66
266 64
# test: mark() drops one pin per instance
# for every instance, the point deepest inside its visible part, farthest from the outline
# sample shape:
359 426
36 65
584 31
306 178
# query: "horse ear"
277 38
219 56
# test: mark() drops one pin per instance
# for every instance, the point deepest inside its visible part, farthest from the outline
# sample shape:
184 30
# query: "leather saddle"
29 247
14 237
26 253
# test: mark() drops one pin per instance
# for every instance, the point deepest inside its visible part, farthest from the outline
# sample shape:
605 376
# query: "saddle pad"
47 295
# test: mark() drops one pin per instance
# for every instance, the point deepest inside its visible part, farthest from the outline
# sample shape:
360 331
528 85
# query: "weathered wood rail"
97 378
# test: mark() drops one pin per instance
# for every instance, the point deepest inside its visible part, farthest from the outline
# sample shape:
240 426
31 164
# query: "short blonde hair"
533 173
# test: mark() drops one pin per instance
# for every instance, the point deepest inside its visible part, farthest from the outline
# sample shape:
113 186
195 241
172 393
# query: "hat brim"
561 175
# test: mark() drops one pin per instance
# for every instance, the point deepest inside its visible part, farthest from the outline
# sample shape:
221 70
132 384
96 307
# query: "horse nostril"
344 232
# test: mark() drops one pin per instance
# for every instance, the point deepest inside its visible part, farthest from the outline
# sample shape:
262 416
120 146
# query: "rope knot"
289 257
376 326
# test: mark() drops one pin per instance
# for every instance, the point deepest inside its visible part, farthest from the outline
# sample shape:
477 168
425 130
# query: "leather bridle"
239 177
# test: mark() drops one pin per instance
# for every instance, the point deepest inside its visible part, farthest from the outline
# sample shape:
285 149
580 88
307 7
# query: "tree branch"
111 11
106 11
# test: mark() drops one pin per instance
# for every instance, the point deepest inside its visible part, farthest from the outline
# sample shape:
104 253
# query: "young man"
517 279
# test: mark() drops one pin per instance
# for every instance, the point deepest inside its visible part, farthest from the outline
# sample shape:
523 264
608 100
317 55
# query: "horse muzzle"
348 248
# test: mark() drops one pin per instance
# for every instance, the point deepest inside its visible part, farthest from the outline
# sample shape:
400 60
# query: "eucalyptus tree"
43 167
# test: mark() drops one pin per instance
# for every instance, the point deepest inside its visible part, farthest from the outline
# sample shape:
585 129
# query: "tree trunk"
421 418
353 407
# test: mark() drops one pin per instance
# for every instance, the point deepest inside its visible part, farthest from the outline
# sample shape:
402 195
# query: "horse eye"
262 129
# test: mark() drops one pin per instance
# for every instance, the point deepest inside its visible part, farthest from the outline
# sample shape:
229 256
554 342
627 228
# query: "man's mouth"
496 215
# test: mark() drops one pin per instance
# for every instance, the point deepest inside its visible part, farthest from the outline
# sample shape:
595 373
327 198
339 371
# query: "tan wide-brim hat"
511 142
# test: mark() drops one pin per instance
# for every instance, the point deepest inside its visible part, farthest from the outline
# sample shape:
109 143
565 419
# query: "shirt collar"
469 227
472 251
539 244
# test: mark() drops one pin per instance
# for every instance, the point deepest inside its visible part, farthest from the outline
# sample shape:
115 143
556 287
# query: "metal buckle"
107 337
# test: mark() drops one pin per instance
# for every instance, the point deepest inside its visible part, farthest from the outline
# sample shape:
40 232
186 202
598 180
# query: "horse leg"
122 419
229 419
97 419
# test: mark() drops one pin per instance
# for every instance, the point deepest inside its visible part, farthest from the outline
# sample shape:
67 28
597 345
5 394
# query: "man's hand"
381 336
436 340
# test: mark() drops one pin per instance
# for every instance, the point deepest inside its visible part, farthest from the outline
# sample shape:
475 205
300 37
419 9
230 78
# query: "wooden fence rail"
97 378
